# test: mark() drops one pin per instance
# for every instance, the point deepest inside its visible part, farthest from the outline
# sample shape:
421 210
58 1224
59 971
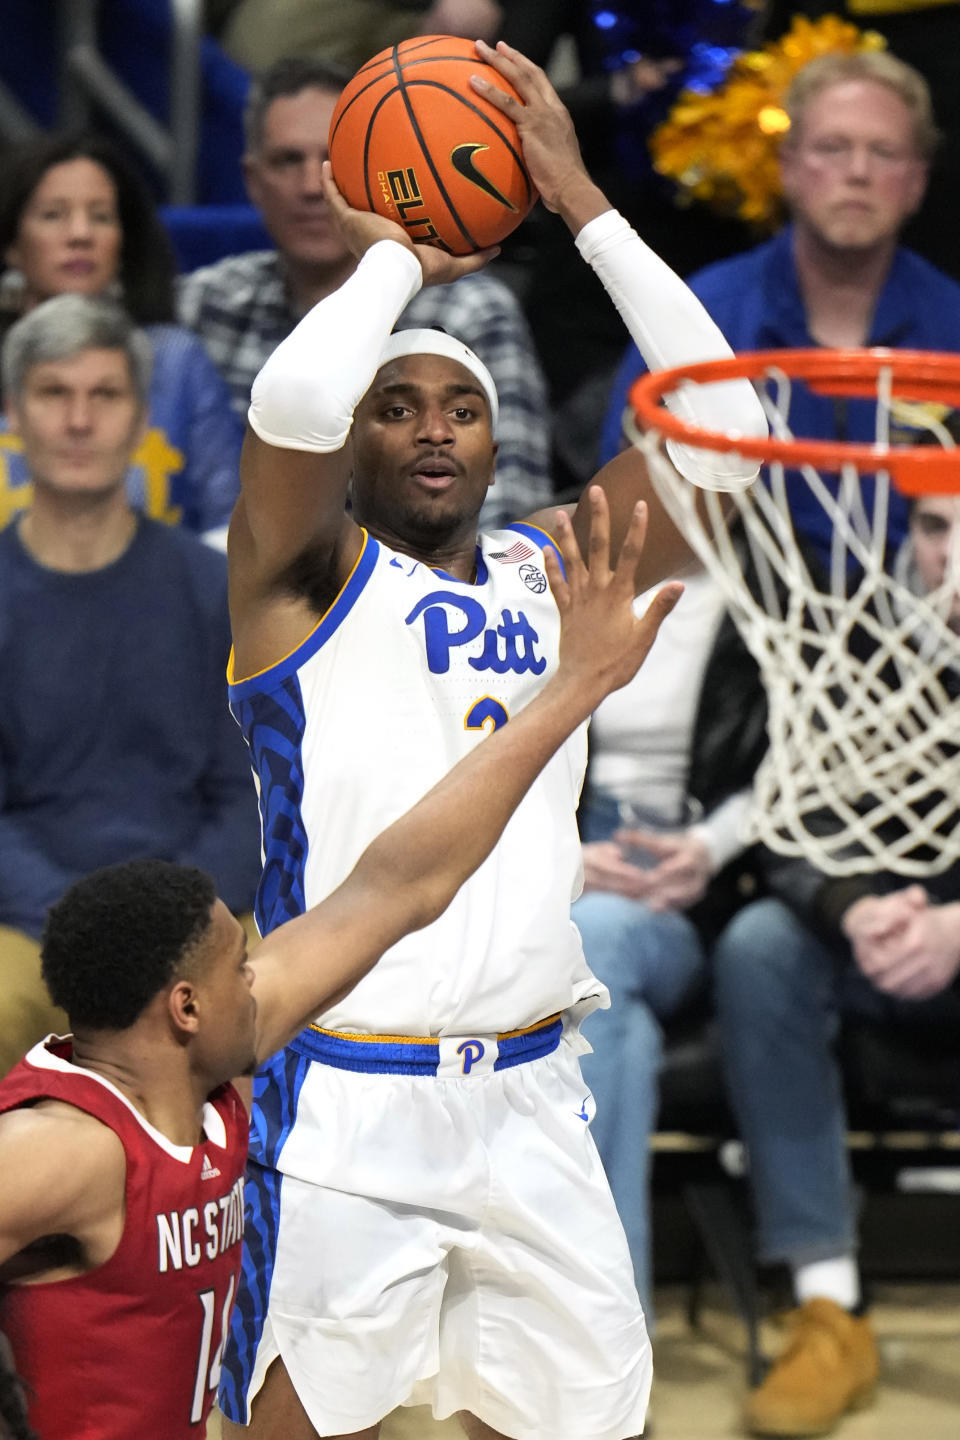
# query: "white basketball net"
871 742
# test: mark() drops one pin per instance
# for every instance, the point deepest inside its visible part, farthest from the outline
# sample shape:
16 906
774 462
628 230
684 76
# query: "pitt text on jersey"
185 1237
508 645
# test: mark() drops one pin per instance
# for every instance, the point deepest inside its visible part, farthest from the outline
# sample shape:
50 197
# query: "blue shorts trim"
418 1055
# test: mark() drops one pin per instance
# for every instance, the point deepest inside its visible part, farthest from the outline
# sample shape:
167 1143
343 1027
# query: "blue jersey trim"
329 623
273 725
482 571
540 538
276 1091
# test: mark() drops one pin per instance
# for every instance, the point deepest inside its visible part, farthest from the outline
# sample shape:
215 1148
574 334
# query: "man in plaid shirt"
244 305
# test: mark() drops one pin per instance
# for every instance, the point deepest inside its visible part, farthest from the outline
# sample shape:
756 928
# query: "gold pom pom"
721 148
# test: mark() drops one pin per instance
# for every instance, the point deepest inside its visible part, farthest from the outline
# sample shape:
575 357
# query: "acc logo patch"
533 578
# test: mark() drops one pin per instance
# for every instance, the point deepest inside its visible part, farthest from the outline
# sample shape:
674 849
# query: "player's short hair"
117 937
66 325
877 66
290 75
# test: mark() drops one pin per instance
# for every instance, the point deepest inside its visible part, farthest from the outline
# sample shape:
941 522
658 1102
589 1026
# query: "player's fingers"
598 545
575 570
499 99
470 263
441 268
526 77
657 611
508 62
330 191
644 630
625 570
555 575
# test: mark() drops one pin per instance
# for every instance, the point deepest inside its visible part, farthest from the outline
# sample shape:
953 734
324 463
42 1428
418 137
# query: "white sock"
837 1279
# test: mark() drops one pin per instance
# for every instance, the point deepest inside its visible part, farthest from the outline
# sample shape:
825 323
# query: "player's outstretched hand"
363 228
551 151
603 642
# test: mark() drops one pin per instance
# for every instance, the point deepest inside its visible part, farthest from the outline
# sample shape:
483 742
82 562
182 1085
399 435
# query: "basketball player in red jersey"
123 1147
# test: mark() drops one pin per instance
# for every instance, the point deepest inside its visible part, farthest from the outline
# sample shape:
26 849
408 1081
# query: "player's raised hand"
603 642
551 151
361 229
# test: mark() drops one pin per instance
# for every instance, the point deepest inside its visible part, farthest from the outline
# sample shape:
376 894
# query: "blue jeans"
777 996
650 963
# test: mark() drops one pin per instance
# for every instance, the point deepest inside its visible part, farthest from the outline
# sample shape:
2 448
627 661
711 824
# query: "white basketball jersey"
404 674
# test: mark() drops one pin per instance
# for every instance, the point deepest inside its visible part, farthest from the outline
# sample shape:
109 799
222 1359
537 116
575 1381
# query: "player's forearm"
306 393
424 857
670 327
581 201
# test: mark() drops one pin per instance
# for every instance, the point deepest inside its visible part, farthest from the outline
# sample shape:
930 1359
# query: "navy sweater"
116 742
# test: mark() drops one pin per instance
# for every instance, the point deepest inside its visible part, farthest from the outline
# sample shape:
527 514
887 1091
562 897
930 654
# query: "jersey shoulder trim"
540 539
326 626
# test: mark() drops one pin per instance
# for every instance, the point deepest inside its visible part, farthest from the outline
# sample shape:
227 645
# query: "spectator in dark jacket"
116 742
874 941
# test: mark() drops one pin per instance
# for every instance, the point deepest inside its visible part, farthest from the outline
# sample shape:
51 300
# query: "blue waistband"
413 1055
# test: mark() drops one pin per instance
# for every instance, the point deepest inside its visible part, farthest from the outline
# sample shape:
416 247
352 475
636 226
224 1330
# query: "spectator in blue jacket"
74 217
116 742
854 169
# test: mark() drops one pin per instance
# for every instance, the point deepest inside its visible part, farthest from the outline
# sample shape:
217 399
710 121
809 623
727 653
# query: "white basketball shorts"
449 1239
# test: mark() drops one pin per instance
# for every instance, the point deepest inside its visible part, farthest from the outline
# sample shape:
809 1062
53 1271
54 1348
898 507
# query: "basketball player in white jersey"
129 1128
428 1220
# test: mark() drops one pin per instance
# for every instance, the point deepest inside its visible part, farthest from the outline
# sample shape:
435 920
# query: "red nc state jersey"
133 1347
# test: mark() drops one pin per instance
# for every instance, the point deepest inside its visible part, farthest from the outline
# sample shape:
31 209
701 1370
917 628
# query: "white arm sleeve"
670 327
306 393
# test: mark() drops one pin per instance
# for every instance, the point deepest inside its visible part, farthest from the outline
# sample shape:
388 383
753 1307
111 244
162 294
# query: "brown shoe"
830 1366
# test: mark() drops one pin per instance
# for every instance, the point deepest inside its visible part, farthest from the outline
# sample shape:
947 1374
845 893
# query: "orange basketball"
413 141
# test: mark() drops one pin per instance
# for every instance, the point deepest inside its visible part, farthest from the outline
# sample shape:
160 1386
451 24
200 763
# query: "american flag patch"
519 550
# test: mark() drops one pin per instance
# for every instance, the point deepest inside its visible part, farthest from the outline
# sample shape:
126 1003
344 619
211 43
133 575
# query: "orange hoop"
912 375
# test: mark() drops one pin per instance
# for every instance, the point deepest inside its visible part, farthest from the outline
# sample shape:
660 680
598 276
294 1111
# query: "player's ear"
183 1007
493 464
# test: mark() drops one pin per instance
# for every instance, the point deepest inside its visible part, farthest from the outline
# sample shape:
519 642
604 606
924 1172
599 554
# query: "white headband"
438 342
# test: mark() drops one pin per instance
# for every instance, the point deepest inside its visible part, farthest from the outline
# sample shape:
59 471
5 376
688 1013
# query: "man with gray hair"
854 166
243 306
115 738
